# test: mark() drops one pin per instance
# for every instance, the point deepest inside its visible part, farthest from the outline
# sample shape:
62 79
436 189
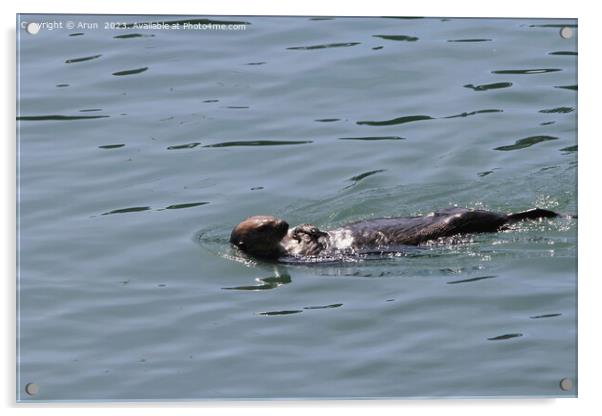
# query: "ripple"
474 279
210 101
85 58
567 87
238 107
470 40
399 38
373 138
487 172
186 205
324 46
259 143
184 146
558 110
334 305
265 283
505 336
570 53
274 313
111 146
554 25
569 149
327 120
525 71
526 142
365 175
130 71
472 113
133 35
255 63
395 121
127 210
549 315
357 178
76 34
89 110
57 118
485 87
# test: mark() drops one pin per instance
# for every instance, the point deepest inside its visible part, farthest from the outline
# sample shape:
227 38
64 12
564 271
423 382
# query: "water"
138 154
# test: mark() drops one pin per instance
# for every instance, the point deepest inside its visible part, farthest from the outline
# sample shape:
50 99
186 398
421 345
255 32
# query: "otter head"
260 236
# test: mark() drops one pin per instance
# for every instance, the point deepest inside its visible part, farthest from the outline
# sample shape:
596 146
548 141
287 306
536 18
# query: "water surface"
140 149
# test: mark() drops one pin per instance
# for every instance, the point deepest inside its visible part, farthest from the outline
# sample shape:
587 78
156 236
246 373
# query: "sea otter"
267 237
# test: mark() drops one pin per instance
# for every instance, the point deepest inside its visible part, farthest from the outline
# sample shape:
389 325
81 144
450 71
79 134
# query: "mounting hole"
32 28
31 389
566 384
566 32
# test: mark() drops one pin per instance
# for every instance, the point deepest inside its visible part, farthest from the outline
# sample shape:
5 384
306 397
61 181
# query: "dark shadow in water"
571 53
474 279
525 71
567 87
470 40
321 18
187 205
184 146
111 146
62 85
130 71
505 336
329 45
237 107
373 138
133 35
526 142
86 58
549 315
255 63
547 123
395 121
265 283
400 38
76 34
558 110
377 48
211 101
327 120
57 118
127 210
89 110
190 21
472 113
485 87
259 143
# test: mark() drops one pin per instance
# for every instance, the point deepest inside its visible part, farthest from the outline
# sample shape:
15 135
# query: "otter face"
260 236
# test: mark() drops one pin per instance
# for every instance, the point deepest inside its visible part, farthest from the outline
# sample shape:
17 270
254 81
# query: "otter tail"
535 213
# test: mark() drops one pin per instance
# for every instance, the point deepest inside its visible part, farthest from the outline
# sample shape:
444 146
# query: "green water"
139 150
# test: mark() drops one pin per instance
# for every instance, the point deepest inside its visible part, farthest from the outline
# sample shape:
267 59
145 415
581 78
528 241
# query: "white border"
589 174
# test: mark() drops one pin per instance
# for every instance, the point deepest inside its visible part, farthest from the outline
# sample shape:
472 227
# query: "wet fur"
269 237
